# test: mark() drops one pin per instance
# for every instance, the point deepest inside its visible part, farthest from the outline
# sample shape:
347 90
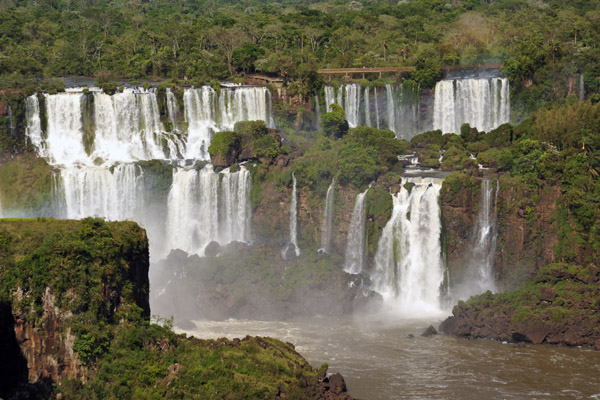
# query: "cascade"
408 263
127 128
352 104
376 109
355 247
207 111
367 107
483 248
33 130
327 225
293 220
399 112
94 139
204 206
101 192
391 107
318 111
329 97
483 103
172 109
11 121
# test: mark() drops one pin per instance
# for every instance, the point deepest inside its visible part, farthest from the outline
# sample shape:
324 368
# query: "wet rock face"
526 229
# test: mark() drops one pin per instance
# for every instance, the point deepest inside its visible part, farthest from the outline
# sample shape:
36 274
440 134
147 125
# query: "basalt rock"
556 308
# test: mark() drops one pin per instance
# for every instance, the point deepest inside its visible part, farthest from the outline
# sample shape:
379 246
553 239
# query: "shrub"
334 122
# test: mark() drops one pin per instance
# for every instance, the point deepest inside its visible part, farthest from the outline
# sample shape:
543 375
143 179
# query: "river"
379 361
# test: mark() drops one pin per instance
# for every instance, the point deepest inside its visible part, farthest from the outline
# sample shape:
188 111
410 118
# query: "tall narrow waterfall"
293 221
204 206
408 263
33 130
483 103
483 247
355 247
318 112
327 225
172 109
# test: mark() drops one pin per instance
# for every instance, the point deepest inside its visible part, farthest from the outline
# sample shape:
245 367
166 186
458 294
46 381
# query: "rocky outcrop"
57 274
559 307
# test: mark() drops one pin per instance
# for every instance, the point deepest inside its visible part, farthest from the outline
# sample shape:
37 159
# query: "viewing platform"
380 70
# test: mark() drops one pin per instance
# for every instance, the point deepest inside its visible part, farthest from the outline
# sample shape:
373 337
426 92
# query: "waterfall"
204 206
33 130
327 225
95 139
293 220
355 247
11 121
207 111
318 113
172 109
64 142
100 192
408 263
391 107
483 103
367 107
399 112
352 104
483 247
376 109
127 127
329 97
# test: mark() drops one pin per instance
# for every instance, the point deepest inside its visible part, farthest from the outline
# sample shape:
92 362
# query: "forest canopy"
540 43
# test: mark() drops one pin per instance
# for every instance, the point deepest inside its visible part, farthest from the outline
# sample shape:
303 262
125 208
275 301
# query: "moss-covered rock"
560 306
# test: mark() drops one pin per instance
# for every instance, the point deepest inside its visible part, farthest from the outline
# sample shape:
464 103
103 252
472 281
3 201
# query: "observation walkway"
380 70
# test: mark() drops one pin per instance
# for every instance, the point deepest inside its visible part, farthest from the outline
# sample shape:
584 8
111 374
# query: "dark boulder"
212 249
429 331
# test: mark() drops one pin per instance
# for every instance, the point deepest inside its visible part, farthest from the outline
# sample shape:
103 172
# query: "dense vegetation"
89 279
541 43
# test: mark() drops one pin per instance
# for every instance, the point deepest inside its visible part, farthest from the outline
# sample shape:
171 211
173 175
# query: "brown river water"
380 362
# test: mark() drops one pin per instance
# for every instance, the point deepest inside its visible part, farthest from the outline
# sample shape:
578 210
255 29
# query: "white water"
362 107
100 192
408 263
33 130
483 103
293 220
126 127
483 247
172 109
207 112
391 107
205 206
318 112
355 246
327 225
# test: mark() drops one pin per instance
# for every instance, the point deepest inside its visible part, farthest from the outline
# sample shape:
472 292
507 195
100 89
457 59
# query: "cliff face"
527 231
59 279
526 223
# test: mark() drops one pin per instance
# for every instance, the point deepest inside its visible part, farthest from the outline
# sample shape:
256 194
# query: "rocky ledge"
560 306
